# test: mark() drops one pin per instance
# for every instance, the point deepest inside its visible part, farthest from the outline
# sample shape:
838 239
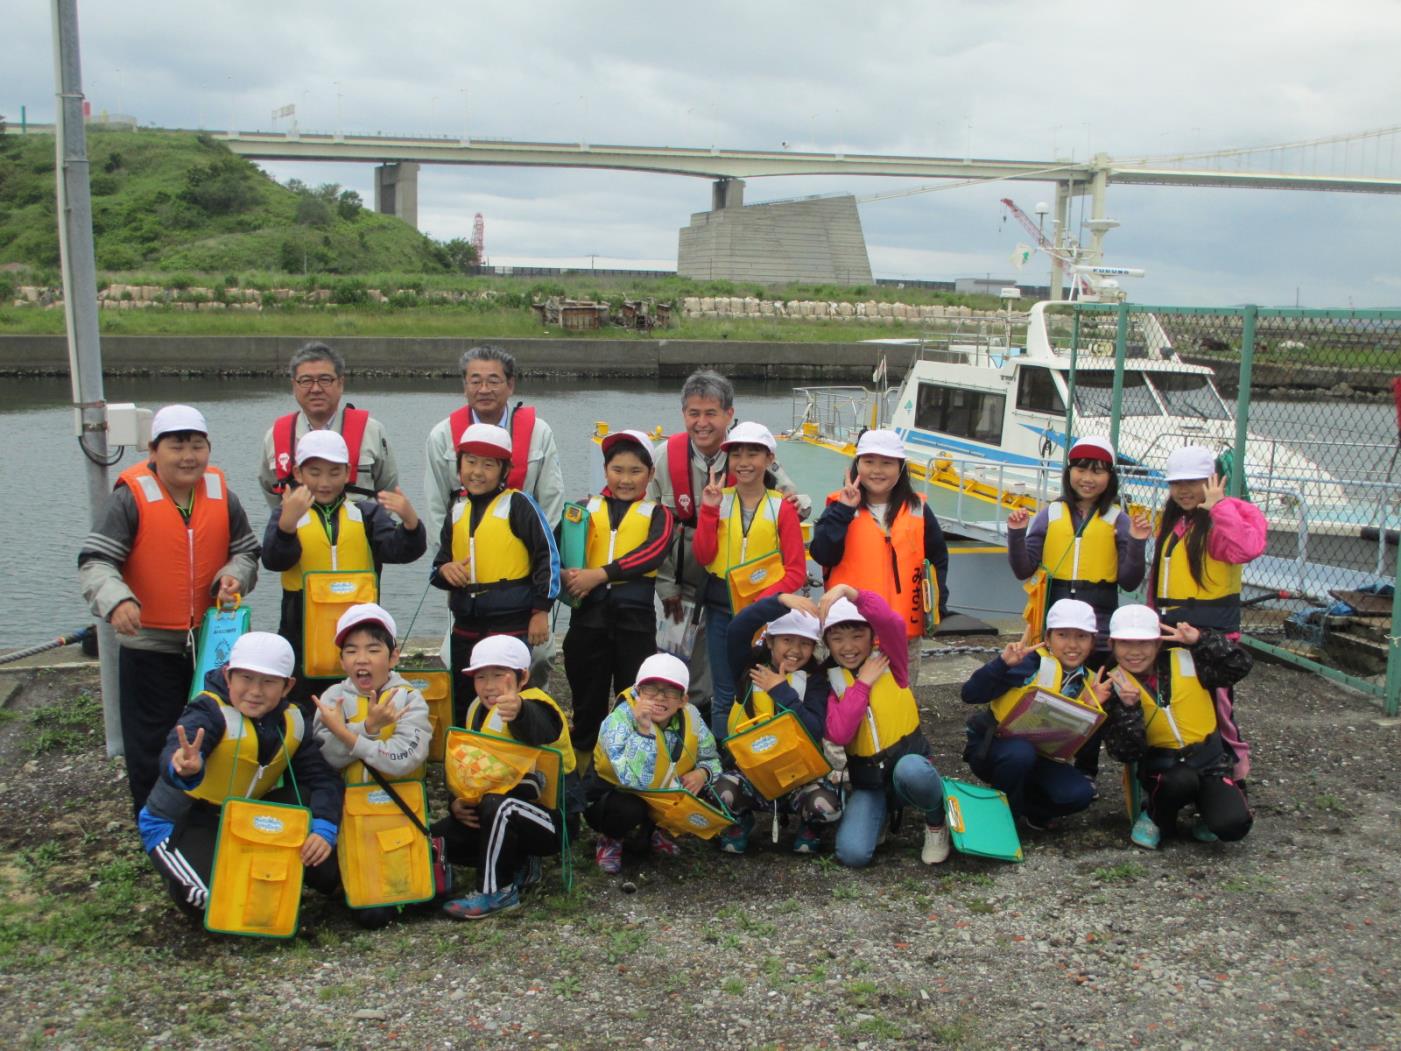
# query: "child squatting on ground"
1039 790
652 739
373 719
236 739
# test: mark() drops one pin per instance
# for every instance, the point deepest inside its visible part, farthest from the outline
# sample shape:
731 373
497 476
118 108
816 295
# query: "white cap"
881 443
796 622
1072 613
486 439
663 667
1092 447
175 418
843 611
365 613
750 433
499 651
1134 622
322 445
264 652
637 438
1190 463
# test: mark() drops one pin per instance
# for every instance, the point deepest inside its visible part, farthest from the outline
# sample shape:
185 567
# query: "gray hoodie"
398 755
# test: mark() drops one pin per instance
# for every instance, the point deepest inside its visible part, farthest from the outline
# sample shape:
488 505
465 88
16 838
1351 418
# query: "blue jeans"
914 781
722 683
1036 787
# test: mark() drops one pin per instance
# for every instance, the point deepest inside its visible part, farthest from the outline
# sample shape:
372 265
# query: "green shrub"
350 292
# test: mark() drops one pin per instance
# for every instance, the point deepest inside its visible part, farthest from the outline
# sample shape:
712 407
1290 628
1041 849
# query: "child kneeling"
872 714
505 834
626 759
1163 717
206 762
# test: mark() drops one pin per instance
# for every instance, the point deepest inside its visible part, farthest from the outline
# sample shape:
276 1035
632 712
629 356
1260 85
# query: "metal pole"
1121 350
1070 383
80 308
1249 315
1392 702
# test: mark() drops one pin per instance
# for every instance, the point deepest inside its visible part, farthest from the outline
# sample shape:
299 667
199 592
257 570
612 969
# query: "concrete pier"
396 191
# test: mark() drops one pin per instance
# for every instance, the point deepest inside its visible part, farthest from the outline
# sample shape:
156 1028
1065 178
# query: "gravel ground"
1287 940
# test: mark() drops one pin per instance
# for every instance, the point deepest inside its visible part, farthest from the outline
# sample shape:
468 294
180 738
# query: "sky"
1019 79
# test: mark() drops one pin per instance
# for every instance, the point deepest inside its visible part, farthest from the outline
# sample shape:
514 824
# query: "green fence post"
1070 384
1392 702
1121 350
1249 314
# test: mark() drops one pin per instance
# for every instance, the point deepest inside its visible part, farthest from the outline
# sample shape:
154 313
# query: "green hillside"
182 202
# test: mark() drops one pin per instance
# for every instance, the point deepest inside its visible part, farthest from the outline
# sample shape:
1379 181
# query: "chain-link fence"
1299 406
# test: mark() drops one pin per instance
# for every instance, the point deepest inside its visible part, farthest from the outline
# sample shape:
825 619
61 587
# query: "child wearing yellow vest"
613 628
1162 716
872 714
742 524
236 739
1039 790
317 528
627 760
505 834
374 718
496 557
780 673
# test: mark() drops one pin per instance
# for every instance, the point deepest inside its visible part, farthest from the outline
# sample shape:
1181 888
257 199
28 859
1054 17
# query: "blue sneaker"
1201 833
735 839
1145 834
529 874
807 841
480 906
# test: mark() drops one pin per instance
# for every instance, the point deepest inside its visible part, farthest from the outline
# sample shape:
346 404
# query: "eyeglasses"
651 692
324 382
491 382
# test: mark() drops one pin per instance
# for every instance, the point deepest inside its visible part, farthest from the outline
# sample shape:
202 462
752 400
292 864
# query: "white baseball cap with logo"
322 445
1071 613
486 439
1190 463
796 622
881 443
263 652
499 651
1134 622
663 667
750 433
173 419
365 613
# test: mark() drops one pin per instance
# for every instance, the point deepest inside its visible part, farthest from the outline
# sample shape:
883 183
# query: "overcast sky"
1023 79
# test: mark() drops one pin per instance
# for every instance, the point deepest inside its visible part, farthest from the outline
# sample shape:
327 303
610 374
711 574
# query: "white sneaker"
936 845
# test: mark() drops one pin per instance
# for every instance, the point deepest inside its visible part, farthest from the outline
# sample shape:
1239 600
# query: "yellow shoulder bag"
776 754
326 594
384 856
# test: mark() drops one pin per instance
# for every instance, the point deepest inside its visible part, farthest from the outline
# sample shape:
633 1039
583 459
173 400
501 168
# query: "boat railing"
981 480
838 413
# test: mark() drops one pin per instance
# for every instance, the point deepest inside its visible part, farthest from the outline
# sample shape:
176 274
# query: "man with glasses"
318 382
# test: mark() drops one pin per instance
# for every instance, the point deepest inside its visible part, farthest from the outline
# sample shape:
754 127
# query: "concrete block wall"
790 241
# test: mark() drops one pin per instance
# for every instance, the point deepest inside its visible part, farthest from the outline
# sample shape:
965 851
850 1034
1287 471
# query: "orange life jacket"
891 565
173 563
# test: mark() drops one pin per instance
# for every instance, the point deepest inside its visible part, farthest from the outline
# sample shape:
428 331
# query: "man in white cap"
489 383
318 384
318 529
171 542
684 464
207 760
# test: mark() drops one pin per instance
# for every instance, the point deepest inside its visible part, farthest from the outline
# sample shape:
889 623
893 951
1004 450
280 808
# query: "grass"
64 727
1124 872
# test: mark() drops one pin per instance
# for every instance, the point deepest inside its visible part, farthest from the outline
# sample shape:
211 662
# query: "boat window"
963 413
1094 394
1036 391
1189 394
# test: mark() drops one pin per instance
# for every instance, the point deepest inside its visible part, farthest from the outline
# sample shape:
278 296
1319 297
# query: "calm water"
43 471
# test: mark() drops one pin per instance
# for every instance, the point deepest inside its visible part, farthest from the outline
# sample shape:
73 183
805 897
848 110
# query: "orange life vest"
890 564
173 563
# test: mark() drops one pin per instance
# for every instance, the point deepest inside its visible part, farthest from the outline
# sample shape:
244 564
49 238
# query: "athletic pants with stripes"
511 830
186 859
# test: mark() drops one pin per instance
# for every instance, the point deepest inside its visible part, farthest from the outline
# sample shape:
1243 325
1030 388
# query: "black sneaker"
529 874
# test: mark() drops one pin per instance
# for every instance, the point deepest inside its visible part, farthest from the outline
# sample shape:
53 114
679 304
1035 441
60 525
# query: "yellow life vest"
664 770
891 716
491 551
734 546
494 726
606 544
763 705
1092 556
232 770
1220 580
1049 676
350 552
1189 717
355 773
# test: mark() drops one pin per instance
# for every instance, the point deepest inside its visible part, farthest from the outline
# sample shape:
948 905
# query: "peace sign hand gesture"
1100 686
187 760
850 494
1016 652
713 492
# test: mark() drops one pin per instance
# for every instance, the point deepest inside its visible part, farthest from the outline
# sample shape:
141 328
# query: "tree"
349 204
313 211
461 254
